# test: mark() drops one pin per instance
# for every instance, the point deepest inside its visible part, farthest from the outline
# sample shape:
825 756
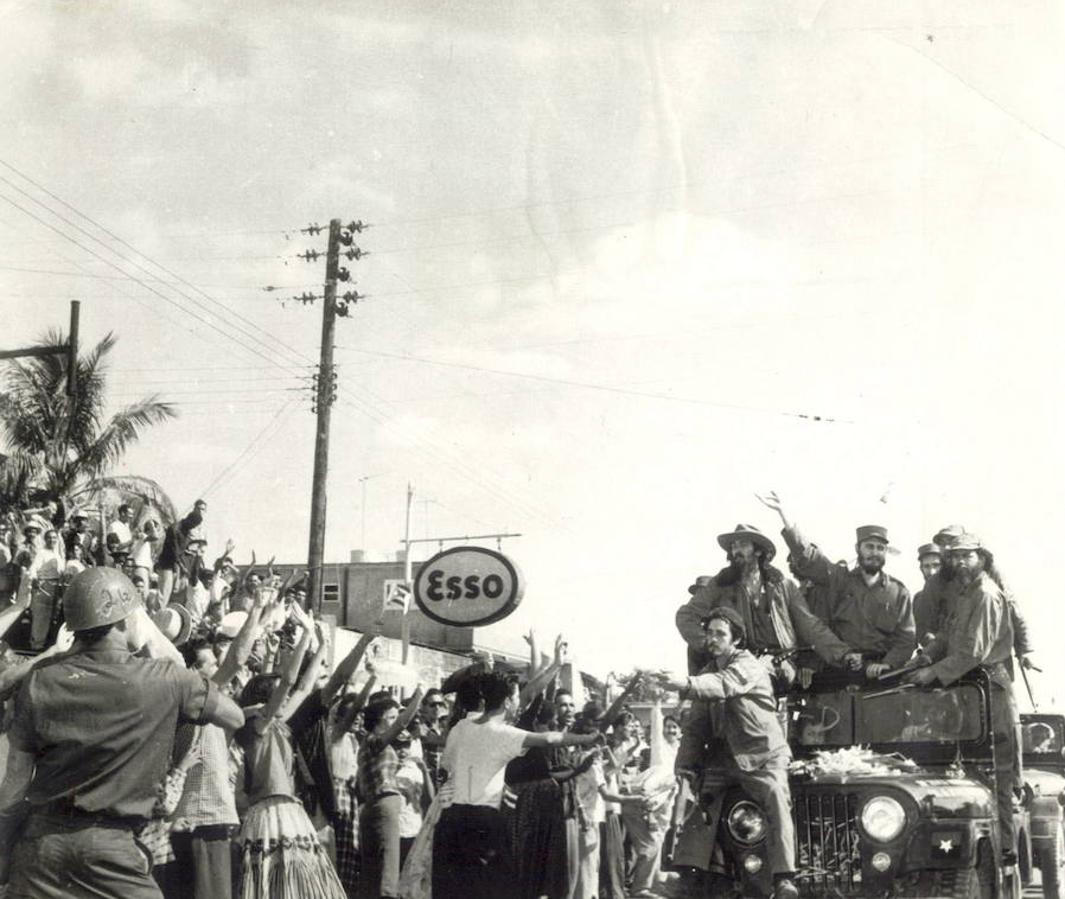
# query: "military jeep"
911 814
1043 741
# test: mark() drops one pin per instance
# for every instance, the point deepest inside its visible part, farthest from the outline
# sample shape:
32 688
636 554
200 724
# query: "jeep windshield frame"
931 725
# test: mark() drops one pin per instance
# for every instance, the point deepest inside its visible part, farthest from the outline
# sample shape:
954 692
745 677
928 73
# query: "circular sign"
468 586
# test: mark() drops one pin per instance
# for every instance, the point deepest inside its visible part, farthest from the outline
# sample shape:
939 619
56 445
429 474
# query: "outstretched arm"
347 667
343 721
405 717
288 678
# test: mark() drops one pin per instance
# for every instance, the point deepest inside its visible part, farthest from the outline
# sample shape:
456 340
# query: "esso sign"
468 586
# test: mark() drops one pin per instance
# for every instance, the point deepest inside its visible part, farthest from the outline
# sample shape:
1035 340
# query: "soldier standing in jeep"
979 633
869 609
733 700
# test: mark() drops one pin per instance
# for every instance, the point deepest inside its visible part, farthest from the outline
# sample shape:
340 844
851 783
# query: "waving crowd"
180 731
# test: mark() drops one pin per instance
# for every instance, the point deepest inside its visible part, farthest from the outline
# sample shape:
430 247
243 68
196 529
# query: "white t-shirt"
588 795
121 531
476 755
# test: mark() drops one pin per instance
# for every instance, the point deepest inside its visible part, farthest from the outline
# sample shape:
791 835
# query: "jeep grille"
826 830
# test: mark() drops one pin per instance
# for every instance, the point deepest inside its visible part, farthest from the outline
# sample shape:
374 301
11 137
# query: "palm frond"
124 428
135 485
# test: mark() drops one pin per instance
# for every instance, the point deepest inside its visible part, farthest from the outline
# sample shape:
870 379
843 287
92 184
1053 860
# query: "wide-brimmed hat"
748 532
175 622
703 580
928 549
36 524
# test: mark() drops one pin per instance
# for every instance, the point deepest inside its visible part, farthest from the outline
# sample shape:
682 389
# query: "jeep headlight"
746 823
883 818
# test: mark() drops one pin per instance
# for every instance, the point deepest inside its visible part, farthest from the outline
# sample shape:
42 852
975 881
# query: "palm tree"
60 448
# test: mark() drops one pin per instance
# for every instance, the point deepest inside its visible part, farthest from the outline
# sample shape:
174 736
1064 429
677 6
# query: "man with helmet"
91 740
733 703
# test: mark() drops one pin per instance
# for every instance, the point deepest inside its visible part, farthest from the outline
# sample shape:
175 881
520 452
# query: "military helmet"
99 596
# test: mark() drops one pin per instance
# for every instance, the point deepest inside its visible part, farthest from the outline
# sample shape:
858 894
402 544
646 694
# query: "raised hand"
771 501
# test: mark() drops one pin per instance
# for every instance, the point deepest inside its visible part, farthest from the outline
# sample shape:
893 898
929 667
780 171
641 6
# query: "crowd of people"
182 729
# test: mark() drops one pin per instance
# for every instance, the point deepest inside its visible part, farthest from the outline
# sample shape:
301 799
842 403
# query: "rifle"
782 653
921 661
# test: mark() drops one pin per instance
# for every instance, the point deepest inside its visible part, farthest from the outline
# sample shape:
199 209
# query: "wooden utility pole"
323 405
68 349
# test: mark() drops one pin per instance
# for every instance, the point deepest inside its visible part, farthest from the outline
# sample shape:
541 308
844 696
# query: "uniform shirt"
876 619
978 632
101 727
734 700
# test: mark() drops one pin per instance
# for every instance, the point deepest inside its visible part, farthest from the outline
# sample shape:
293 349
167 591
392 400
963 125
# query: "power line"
252 443
119 255
592 386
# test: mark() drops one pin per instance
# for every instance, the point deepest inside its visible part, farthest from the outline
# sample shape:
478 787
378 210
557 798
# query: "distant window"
331 593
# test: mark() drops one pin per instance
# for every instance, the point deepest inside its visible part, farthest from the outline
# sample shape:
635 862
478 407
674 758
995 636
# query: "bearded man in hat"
774 613
869 610
938 595
92 738
733 703
979 634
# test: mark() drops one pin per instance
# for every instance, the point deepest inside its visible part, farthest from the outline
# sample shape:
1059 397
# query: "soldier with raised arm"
869 610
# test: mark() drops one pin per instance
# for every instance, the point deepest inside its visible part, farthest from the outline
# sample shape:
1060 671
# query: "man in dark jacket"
774 613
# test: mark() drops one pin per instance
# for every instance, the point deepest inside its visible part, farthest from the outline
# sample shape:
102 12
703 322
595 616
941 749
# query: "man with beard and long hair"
774 613
937 599
979 633
869 610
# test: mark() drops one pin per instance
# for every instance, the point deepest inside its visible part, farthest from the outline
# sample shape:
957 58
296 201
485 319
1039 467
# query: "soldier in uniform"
775 615
91 741
733 702
869 610
926 615
979 633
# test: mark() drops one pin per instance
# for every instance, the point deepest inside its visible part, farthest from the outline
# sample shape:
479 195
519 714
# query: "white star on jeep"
946 846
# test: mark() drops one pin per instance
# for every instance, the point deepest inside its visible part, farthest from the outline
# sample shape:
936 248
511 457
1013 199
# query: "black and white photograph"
532 450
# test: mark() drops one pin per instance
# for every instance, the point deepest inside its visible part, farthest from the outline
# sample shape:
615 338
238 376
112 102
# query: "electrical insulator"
346 237
309 255
343 274
353 296
313 228
342 309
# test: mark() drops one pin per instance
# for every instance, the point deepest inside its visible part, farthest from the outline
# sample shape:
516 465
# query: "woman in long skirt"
281 857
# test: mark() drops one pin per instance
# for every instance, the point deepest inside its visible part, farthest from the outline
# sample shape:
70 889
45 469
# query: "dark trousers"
205 861
471 855
379 847
73 859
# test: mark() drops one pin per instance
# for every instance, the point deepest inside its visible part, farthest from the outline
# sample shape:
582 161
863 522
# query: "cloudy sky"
631 262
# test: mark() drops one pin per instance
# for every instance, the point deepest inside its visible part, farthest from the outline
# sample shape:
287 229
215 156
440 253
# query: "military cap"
726 613
947 535
965 542
928 549
871 532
